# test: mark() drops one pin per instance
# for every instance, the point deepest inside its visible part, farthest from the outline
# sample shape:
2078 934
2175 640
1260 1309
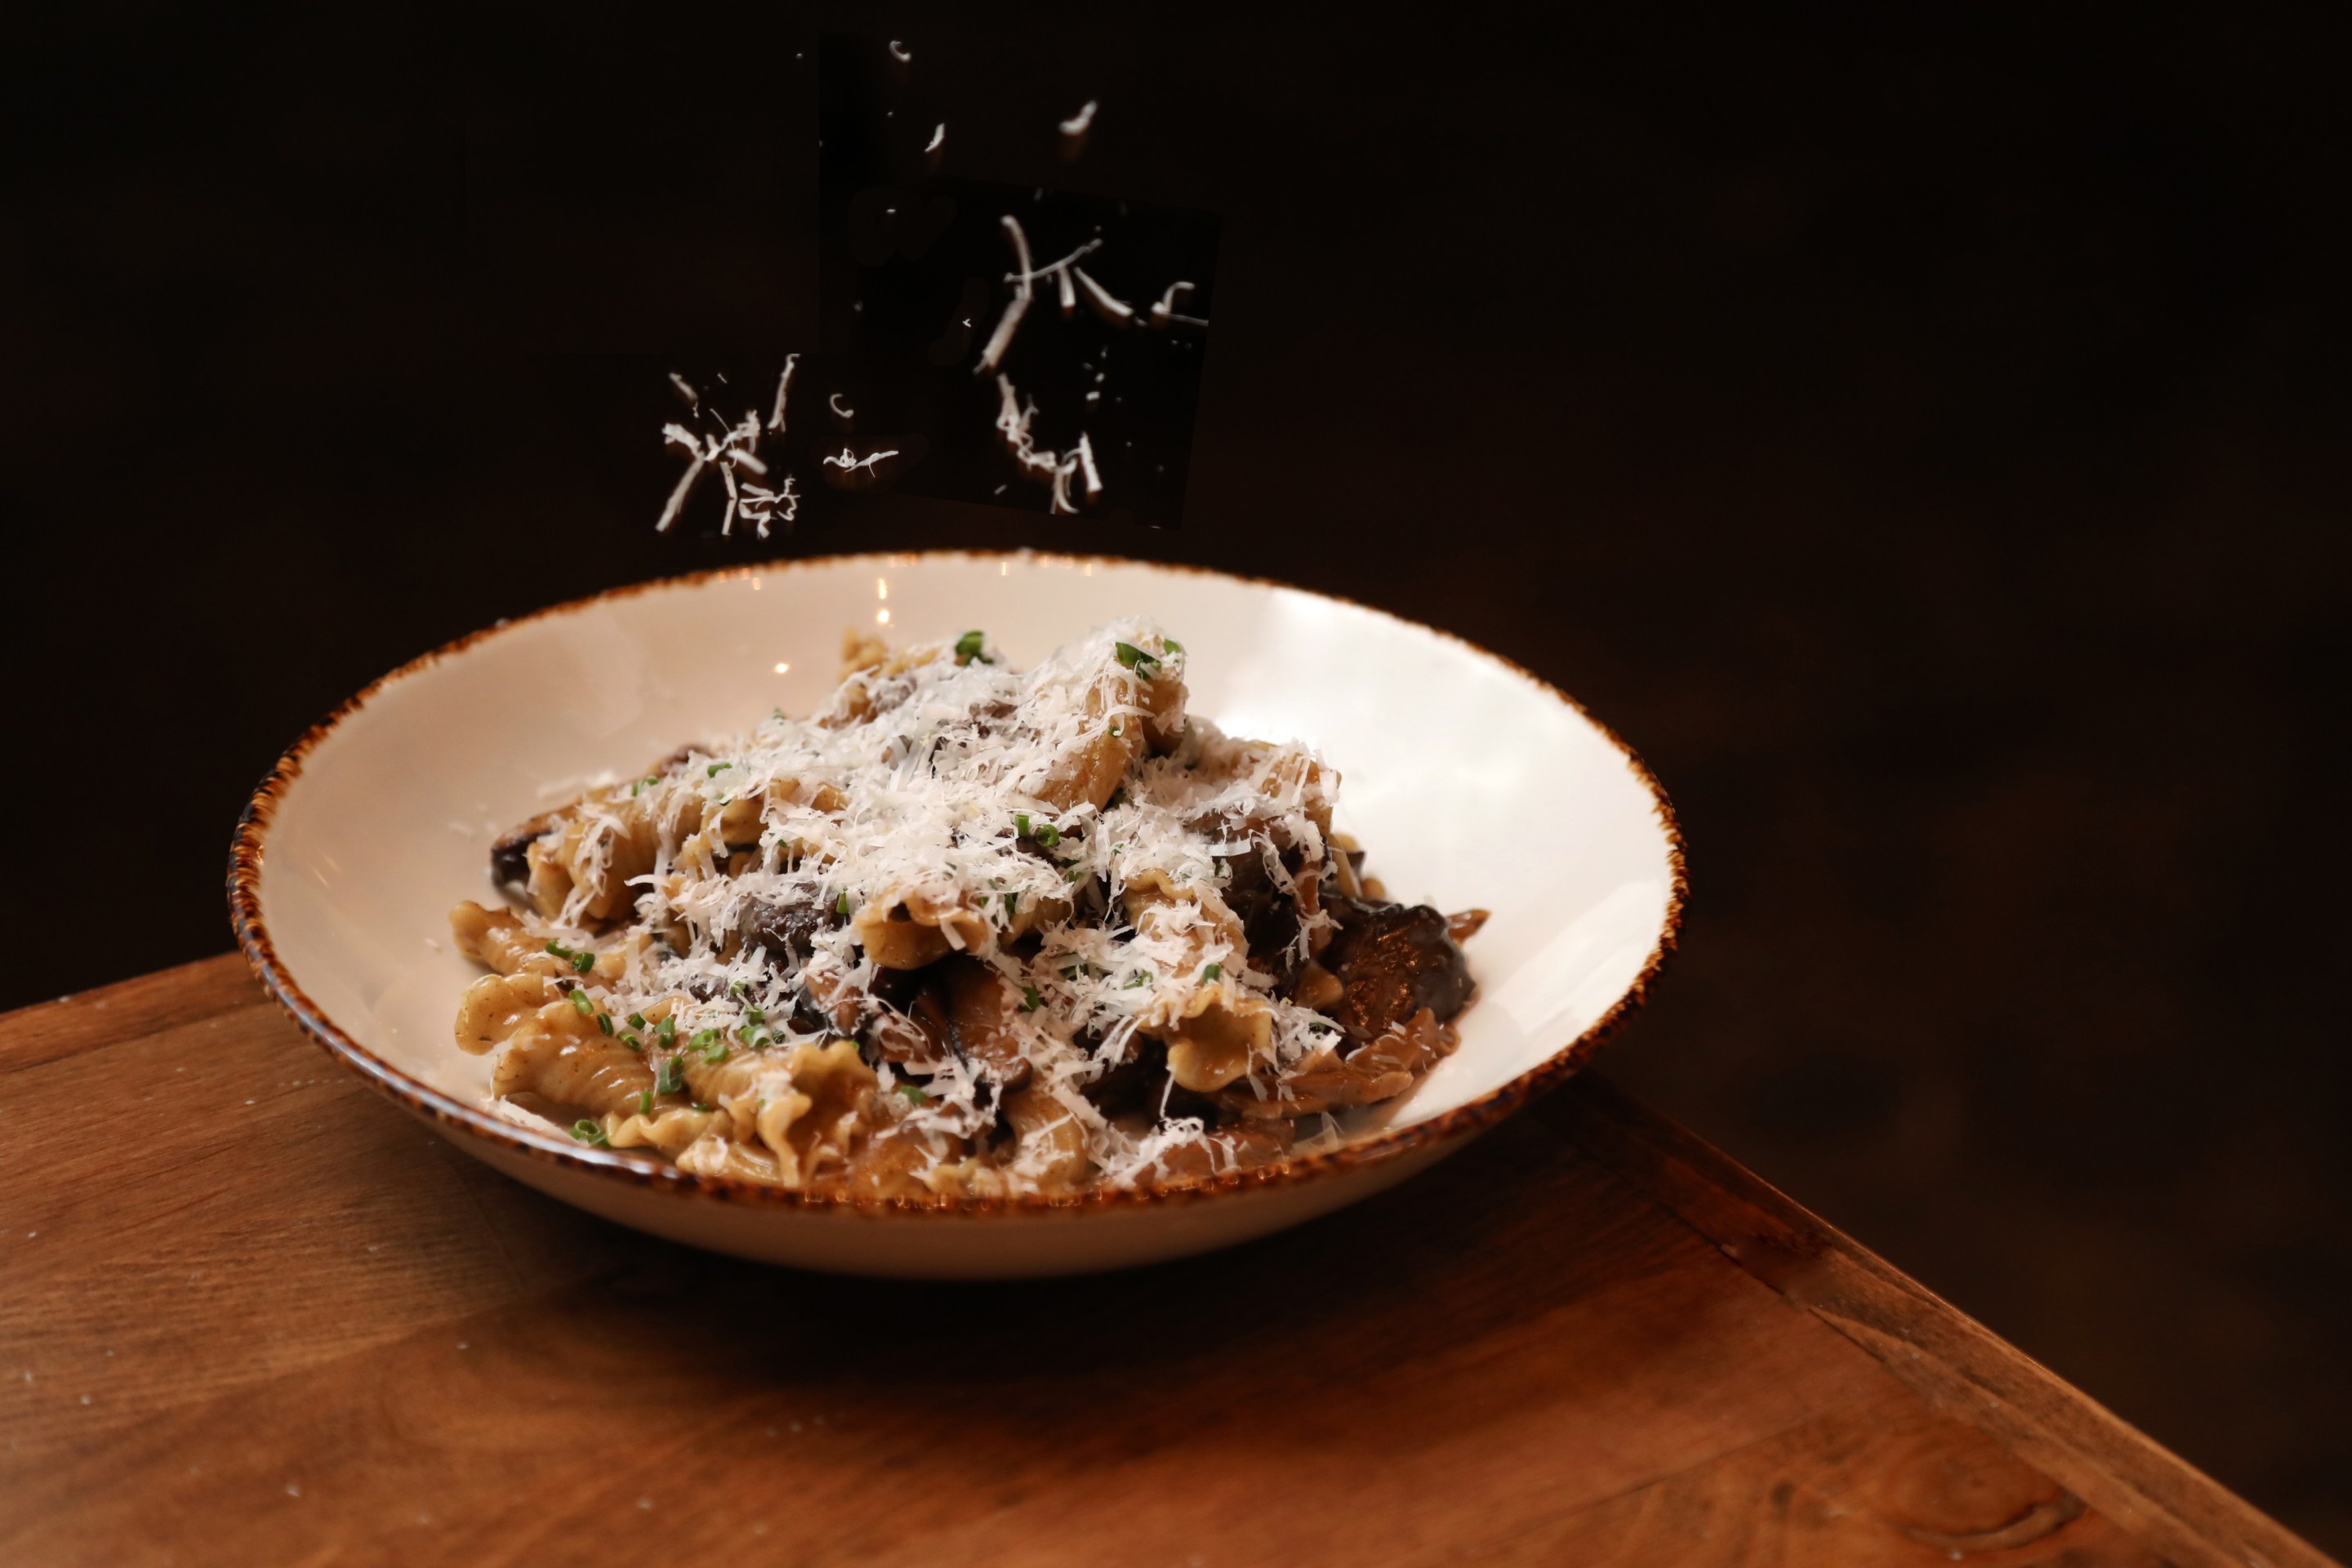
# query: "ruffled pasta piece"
1285 776
500 940
671 1131
1222 1152
802 1114
870 683
1051 1151
914 930
715 1154
1213 1034
496 1005
1383 1068
583 869
559 1056
1125 714
891 1162
730 838
970 1177
1214 1029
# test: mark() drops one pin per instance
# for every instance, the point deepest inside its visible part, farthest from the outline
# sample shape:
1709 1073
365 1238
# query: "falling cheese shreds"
849 460
677 503
1164 315
1015 307
1057 267
760 504
735 450
784 390
1109 306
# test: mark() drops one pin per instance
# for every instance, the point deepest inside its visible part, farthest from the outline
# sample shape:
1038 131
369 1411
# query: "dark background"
1926 440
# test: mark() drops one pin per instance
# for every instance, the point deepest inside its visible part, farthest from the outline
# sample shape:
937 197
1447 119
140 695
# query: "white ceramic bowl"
1472 783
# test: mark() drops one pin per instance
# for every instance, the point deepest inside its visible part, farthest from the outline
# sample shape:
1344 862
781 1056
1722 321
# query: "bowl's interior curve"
1469 783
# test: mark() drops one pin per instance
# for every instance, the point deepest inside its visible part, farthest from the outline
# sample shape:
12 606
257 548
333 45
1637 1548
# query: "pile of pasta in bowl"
968 933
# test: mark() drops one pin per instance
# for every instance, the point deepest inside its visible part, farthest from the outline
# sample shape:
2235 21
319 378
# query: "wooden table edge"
1955 1364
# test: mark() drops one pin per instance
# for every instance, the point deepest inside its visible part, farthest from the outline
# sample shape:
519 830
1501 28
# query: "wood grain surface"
254 1314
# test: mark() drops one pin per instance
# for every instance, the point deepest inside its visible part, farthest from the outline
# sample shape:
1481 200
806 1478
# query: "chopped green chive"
644 1103
604 1023
702 1107
1141 977
581 1006
1075 874
841 904
1011 903
636 1020
670 1076
737 987
715 769
582 962
1048 835
588 1132
1171 644
1215 972
756 1015
915 1092
667 1032
1030 1000
1113 731
633 1044
1144 665
1021 823
968 647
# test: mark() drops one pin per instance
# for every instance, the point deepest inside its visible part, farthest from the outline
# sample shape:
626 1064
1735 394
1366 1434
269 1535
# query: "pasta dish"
968 932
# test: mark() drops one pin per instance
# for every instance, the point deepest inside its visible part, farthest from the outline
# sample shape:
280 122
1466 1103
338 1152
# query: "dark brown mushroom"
1393 960
511 856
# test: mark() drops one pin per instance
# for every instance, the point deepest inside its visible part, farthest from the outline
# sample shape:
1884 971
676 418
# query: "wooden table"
252 1314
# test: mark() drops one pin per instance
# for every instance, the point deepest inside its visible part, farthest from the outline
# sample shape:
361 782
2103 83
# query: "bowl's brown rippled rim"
246 850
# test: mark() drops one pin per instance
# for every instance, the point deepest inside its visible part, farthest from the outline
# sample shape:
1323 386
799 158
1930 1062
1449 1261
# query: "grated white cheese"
936 782
1108 306
784 390
1015 307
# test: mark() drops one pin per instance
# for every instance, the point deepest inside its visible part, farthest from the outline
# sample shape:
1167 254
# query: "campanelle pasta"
968 932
